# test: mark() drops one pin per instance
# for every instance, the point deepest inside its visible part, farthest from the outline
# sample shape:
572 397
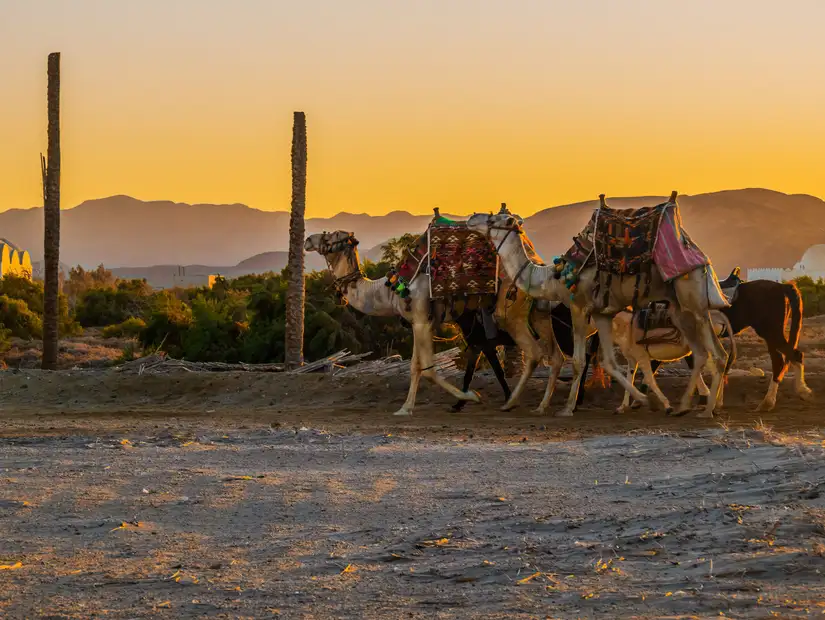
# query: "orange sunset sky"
412 104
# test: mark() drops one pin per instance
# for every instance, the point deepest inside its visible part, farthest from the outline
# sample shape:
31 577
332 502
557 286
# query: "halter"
513 228
345 246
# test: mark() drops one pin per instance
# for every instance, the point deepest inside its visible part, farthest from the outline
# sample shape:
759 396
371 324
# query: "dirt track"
210 495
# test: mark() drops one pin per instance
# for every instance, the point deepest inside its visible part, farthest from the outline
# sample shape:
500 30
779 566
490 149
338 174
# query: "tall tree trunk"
294 350
51 213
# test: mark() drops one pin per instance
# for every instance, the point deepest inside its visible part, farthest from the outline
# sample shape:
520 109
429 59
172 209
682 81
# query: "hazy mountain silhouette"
748 227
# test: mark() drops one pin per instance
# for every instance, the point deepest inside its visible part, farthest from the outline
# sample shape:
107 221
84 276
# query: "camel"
765 306
478 343
372 297
695 294
665 345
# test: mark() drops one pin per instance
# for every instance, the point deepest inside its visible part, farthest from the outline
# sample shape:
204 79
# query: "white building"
14 261
812 264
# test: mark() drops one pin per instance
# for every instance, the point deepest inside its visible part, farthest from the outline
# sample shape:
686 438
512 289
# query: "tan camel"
374 298
626 337
695 293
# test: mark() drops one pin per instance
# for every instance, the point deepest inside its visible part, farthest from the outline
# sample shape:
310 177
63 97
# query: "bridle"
345 246
513 226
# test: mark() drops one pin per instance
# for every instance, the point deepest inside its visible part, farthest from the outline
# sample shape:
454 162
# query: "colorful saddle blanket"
462 262
459 262
629 241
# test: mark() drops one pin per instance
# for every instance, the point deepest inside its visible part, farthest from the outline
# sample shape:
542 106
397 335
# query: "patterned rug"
627 242
462 262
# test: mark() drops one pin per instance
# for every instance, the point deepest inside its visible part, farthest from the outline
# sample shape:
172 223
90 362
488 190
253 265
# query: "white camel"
695 293
626 336
374 298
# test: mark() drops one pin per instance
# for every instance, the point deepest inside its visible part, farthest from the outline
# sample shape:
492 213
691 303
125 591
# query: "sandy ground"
253 495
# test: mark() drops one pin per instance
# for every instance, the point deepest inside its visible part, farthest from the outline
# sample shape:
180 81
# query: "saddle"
653 325
461 264
730 285
624 238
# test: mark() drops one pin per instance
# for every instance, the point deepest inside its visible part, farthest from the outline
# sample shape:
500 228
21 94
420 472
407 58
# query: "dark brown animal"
766 306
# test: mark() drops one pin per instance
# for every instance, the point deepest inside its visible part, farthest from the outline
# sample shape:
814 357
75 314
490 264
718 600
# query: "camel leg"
498 371
473 354
557 360
631 376
686 323
716 365
647 371
592 352
580 333
423 334
530 364
605 326
415 377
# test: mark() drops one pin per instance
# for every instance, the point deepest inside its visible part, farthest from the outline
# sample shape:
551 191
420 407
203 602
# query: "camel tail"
795 302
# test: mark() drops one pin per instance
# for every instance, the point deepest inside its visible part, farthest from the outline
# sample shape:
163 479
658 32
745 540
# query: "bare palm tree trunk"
51 211
294 349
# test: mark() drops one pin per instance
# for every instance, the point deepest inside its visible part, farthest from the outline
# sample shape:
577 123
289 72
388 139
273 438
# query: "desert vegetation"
237 320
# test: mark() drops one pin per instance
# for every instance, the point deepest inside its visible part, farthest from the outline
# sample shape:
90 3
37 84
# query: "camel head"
327 243
496 226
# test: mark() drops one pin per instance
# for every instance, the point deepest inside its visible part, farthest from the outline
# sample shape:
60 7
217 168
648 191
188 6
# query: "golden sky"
412 104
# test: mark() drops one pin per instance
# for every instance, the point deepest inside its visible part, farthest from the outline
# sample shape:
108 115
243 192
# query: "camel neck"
365 295
531 277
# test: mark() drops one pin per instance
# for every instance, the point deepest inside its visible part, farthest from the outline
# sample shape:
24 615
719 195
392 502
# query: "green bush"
169 320
130 328
102 306
16 317
216 331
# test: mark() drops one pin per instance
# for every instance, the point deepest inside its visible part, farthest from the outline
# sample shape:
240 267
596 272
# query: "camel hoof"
807 395
404 413
635 405
669 411
507 407
472 396
655 403
705 414
458 406
564 413
541 410
621 410
678 414
763 406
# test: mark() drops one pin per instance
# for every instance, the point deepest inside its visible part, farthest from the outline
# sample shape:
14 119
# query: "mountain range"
746 227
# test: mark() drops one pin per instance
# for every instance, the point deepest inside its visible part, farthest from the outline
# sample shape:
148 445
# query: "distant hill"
122 231
747 227
167 276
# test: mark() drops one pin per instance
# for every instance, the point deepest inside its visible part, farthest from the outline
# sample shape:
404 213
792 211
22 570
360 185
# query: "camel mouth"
309 245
